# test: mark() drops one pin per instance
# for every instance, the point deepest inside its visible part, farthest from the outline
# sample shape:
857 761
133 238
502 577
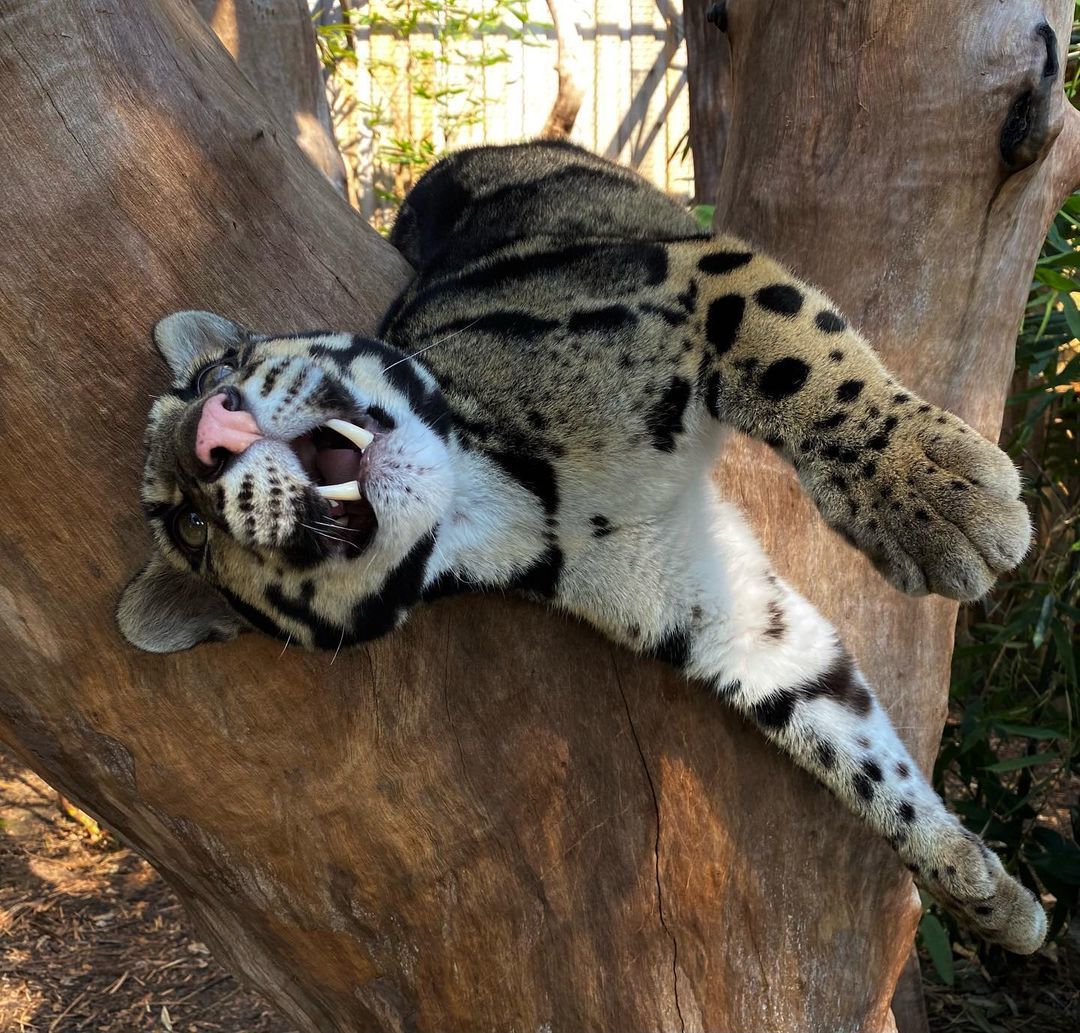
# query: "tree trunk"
571 91
273 42
880 150
708 80
492 819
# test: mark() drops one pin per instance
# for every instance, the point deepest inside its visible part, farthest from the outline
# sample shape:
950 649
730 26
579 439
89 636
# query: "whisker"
324 534
286 646
340 642
428 347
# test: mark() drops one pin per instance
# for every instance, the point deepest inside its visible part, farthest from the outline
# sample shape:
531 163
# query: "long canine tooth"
357 435
347 491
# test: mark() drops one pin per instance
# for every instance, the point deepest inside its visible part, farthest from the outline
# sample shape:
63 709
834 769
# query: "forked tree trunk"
492 819
273 42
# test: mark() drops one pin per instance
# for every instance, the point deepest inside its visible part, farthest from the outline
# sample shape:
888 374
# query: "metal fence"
431 77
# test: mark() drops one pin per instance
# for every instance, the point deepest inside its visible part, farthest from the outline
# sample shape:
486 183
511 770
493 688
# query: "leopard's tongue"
337 465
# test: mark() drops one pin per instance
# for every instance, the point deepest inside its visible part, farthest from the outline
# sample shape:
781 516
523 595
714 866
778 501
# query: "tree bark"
874 148
708 80
492 819
571 92
273 42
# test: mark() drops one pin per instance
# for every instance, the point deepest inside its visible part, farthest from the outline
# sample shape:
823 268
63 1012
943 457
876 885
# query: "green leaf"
936 941
1028 731
704 214
1072 316
1015 763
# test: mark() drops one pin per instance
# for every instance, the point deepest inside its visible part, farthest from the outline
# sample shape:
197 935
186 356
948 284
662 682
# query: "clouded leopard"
541 411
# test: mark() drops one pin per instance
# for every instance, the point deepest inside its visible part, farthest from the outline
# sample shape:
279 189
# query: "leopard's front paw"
935 505
966 877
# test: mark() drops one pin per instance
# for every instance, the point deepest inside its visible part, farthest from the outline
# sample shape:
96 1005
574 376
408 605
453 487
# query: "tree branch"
571 92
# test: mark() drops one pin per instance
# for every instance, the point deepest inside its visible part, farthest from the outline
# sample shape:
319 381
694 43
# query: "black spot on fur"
836 356
723 321
323 634
671 316
380 613
842 453
829 323
665 419
775 711
255 617
780 298
831 422
533 473
863 787
839 683
271 377
849 390
688 298
602 320
504 323
674 647
632 264
783 378
826 754
385 419
723 262
712 394
983 909
542 577
906 812
777 628
601 526
881 439
903 770
872 770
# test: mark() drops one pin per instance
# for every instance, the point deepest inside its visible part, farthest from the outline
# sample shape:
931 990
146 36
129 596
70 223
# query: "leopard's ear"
164 610
184 337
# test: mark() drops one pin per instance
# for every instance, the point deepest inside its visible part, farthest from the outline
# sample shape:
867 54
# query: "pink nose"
221 427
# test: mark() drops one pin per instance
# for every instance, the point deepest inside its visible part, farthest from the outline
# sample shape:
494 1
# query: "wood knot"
717 15
1029 129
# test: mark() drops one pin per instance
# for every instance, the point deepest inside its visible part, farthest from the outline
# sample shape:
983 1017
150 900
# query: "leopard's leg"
696 590
934 504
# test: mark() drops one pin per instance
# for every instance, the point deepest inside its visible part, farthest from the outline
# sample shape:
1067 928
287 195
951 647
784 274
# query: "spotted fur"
549 396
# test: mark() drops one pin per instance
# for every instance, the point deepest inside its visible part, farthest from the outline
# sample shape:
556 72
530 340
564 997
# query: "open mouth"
334 457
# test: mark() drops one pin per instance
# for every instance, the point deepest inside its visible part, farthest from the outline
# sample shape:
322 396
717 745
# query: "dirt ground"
91 939
1040 994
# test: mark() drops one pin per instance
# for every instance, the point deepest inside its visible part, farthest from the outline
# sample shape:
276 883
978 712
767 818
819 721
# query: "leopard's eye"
213 375
190 528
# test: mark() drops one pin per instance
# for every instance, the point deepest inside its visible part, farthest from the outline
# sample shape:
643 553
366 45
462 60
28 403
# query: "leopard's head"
292 484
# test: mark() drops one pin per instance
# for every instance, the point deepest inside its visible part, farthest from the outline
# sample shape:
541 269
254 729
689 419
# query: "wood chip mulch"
91 938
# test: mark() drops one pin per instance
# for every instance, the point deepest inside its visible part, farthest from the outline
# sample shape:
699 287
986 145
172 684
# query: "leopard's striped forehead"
272 549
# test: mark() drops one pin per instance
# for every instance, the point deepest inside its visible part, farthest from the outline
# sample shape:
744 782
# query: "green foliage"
936 940
704 214
1010 754
444 76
